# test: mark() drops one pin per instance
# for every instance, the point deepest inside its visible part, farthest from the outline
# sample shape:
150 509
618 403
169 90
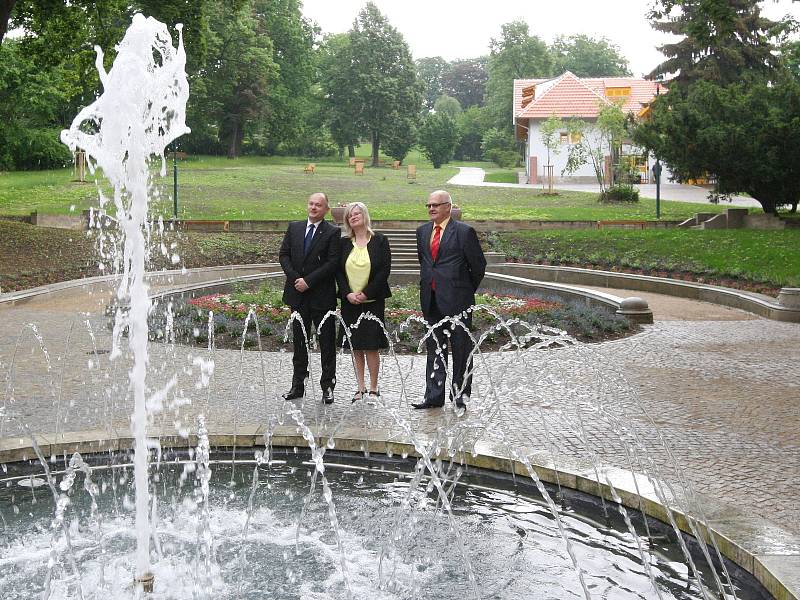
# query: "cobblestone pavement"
716 402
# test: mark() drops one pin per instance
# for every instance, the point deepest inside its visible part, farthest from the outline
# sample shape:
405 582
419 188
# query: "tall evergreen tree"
722 40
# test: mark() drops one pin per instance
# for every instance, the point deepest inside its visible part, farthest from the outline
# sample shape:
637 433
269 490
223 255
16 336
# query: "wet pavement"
707 395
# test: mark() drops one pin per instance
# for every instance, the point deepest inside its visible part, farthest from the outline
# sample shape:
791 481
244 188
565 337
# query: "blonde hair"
364 213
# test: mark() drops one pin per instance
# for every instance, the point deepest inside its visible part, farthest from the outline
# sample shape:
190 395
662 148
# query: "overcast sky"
457 29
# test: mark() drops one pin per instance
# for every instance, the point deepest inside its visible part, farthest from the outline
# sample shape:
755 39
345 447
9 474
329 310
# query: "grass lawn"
501 177
769 257
277 188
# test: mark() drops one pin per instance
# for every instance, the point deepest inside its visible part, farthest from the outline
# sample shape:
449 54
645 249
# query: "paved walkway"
719 386
473 176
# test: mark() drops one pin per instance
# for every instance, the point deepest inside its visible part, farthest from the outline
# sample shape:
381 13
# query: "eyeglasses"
431 205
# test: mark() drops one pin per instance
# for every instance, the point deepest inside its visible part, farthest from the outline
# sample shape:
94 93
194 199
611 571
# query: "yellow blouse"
357 267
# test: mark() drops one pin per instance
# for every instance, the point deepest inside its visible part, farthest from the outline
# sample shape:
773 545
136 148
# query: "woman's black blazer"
380 259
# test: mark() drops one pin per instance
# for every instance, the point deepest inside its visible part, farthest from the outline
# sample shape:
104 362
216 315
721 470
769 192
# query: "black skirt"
369 334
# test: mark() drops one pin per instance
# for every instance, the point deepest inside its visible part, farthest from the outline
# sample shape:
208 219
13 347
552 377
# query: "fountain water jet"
141 110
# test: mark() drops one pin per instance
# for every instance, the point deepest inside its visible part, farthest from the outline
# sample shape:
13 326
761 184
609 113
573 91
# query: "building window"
618 92
565 138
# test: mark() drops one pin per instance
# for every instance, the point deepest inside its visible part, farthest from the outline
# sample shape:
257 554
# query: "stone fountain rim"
773 564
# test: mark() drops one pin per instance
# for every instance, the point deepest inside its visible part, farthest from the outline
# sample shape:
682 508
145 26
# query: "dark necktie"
309 237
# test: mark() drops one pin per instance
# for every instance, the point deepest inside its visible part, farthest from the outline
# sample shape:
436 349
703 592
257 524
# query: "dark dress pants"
326 335
460 343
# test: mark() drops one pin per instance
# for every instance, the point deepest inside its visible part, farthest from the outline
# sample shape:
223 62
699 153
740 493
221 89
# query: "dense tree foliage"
431 72
747 134
516 54
262 81
340 106
465 81
585 56
732 109
438 138
385 84
721 40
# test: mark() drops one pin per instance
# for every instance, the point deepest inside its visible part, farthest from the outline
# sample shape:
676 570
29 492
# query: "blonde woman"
363 279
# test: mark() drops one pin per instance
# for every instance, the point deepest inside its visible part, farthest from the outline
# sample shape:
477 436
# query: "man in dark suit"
452 266
309 256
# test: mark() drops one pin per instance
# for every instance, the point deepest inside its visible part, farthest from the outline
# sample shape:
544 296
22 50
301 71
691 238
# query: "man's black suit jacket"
318 267
458 269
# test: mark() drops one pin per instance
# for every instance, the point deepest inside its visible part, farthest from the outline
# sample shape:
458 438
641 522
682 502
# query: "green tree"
448 105
290 98
466 81
400 136
431 71
31 100
6 6
746 134
234 92
438 138
515 55
550 132
498 145
586 56
386 87
341 108
597 140
470 128
722 40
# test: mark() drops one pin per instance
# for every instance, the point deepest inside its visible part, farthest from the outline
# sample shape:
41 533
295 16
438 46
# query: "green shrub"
622 192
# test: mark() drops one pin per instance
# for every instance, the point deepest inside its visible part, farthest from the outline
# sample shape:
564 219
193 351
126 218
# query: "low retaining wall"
758 304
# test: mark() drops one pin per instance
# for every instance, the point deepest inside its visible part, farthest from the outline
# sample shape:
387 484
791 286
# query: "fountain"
239 494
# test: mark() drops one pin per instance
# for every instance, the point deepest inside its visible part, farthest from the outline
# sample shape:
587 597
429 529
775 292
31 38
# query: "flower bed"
269 317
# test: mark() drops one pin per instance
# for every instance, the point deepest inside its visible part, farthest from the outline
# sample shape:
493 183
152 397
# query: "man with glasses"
309 256
452 266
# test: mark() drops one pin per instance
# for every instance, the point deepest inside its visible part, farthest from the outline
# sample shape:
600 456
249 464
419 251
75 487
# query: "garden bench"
311 168
352 161
411 172
396 165
179 155
359 167
622 223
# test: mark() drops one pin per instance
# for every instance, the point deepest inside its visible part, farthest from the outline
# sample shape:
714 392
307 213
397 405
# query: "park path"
720 386
473 176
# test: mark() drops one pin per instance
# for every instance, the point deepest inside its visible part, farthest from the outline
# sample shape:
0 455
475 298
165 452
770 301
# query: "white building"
567 97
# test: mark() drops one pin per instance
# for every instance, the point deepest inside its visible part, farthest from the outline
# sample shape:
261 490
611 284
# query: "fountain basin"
578 486
508 529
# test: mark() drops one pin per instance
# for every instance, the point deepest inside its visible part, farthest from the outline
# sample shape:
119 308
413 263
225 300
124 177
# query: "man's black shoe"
426 404
460 404
294 393
327 397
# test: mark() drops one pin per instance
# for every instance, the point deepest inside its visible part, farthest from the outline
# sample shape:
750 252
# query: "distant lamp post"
657 172
175 184
657 177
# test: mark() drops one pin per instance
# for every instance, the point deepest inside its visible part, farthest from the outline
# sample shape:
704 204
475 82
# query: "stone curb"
11 298
759 304
767 552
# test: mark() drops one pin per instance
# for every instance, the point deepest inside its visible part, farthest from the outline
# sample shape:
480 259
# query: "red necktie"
437 235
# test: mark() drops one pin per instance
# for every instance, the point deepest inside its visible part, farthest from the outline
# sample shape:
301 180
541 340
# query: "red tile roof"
571 96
